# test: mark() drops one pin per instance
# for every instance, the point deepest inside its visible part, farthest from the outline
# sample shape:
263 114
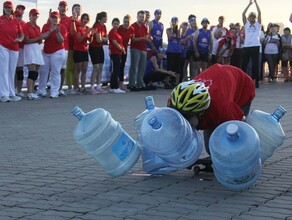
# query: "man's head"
157 14
252 17
205 22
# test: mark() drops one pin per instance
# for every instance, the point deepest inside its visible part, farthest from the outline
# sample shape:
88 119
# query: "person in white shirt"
252 41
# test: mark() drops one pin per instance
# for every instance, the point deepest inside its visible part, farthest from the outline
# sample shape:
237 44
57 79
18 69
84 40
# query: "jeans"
137 68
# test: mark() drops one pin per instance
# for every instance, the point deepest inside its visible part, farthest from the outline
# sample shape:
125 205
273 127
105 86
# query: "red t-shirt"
22 24
51 44
126 34
70 36
66 21
100 28
32 31
81 46
9 31
114 35
230 88
139 31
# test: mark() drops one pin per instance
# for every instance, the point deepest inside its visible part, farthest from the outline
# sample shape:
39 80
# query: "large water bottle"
169 135
152 163
104 139
235 153
269 130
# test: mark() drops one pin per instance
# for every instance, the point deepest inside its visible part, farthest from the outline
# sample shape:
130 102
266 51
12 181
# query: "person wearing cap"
11 35
203 43
96 52
190 45
252 29
154 70
138 53
33 58
156 31
20 8
126 31
225 50
173 53
54 55
66 21
220 26
19 73
71 30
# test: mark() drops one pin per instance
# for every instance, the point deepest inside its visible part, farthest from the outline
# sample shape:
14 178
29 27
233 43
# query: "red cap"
8 4
55 14
63 3
33 11
20 6
17 13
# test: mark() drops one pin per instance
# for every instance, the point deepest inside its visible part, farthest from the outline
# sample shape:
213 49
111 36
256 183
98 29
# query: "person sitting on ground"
154 70
221 93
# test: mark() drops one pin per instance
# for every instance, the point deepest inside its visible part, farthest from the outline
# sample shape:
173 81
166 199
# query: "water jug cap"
77 112
149 102
279 112
232 129
154 123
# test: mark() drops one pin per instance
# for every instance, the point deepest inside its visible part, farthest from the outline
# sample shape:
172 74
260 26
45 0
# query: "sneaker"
84 91
32 96
41 94
20 94
54 96
100 90
14 98
78 92
5 99
93 91
62 93
111 91
118 90
71 91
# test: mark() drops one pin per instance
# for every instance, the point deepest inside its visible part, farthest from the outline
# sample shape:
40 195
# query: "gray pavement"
44 174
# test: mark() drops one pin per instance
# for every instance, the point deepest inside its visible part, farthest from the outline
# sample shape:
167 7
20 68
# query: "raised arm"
244 13
259 12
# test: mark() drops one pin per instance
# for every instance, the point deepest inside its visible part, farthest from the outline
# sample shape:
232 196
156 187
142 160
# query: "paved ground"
45 175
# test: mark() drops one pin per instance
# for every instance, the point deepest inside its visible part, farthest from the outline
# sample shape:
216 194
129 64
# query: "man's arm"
259 12
244 13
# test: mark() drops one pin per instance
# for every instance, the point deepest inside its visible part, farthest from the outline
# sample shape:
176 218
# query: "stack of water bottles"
105 139
168 142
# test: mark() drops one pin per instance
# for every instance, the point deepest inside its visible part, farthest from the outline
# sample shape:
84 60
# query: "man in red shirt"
138 53
219 94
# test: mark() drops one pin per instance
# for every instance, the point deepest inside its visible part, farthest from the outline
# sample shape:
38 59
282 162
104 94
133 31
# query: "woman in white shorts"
32 56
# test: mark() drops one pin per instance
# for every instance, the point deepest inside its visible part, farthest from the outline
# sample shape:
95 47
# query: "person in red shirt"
138 53
116 48
32 51
126 32
96 52
80 53
10 36
18 14
221 93
220 26
53 54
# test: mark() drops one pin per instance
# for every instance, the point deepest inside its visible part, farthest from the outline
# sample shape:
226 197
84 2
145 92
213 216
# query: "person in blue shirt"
154 70
156 30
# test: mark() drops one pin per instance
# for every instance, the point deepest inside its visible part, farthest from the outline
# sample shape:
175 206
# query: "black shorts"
203 57
96 55
189 54
80 56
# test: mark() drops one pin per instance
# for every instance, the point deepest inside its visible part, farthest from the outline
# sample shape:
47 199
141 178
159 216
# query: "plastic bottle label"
123 146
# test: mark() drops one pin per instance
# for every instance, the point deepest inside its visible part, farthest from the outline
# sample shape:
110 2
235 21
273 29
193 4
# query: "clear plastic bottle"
104 139
169 135
235 153
269 129
152 164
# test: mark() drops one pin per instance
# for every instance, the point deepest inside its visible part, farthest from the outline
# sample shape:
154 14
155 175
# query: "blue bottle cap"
78 113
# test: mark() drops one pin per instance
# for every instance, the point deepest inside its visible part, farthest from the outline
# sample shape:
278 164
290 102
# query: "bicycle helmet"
190 97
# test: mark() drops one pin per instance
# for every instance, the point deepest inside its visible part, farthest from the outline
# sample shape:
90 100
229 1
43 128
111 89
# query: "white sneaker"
119 91
62 93
100 90
54 96
14 98
5 99
32 96
20 94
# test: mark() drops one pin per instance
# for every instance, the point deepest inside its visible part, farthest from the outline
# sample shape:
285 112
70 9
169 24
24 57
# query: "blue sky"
272 11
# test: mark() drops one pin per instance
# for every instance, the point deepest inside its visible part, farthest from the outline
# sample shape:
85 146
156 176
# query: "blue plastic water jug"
152 164
235 153
169 135
104 139
269 130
